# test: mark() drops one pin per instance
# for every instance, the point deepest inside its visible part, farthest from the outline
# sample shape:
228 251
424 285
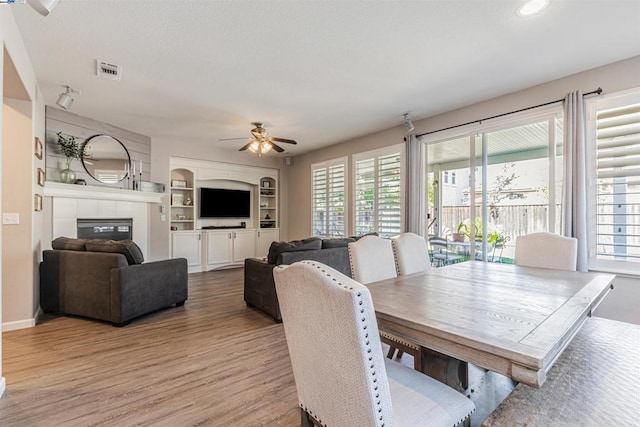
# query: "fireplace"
105 228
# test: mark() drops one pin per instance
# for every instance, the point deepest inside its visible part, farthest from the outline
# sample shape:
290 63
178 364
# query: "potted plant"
463 230
71 150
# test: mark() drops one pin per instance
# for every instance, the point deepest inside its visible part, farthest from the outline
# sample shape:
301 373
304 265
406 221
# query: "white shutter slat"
618 187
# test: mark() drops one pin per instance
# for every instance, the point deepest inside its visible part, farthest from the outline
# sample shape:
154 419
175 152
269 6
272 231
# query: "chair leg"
392 350
305 419
400 353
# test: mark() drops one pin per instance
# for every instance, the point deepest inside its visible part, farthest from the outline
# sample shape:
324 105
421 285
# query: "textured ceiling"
320 72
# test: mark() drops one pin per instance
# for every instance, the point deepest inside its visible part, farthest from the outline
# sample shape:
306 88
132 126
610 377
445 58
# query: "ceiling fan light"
254 147
266 147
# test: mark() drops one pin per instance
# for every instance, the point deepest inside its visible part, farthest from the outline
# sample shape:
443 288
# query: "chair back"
371 259
333 341
411 254
546 250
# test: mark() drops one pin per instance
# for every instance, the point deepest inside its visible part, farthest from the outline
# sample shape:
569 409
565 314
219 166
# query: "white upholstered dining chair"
372 260
546 250
411 255
341 375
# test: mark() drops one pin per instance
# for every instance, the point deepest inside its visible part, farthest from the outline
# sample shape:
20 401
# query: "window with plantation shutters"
328 210
618 179
378 191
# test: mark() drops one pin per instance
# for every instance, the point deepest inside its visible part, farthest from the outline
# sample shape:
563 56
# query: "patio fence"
511 221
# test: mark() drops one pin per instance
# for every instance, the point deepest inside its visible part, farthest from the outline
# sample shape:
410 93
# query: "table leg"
446 369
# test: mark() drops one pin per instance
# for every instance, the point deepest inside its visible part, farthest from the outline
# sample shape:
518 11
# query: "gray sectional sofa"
259 286
106 280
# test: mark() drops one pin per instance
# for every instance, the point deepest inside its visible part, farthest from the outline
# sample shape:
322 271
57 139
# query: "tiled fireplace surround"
67 203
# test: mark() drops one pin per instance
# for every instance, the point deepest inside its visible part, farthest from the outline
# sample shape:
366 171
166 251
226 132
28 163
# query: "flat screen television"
223 203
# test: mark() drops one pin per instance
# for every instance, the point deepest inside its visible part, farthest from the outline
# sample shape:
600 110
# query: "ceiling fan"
261 143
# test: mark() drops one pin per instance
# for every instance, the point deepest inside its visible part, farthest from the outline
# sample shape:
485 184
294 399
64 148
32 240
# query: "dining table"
505 318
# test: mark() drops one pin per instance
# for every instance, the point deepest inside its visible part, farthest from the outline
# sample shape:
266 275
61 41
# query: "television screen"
222 203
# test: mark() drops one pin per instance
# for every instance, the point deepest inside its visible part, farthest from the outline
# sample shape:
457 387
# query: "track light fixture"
43 7
408 124
65 99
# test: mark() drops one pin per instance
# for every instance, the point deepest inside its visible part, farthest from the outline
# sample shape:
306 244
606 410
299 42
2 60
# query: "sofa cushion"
128 248
310 244
68 244
337 243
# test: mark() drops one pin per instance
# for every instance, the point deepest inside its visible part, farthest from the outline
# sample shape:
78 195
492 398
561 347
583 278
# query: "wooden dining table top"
505 318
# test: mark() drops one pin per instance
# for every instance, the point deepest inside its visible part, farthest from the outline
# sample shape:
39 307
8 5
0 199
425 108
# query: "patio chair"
372 260
440 253
498 245
546 250
410 251
341 375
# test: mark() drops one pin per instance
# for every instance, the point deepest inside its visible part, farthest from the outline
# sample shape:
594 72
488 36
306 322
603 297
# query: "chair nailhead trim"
366 334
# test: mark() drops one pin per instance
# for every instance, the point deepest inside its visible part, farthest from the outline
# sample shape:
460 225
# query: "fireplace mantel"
58 189
66 203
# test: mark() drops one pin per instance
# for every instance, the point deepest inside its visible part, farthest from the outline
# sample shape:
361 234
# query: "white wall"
623 302
11 39
163 149
17 198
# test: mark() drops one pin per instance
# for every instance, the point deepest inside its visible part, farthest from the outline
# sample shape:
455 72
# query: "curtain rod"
594 92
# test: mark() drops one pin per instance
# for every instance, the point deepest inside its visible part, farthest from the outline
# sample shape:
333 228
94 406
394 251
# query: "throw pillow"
128 248
356 238
337 243
68 244
310 244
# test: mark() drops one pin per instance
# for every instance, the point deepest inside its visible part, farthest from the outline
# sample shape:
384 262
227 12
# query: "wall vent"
109 71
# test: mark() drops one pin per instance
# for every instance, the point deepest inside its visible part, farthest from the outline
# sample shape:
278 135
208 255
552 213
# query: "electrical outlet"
163 217
10 218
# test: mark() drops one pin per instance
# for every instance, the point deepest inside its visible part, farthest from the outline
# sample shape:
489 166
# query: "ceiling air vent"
109 71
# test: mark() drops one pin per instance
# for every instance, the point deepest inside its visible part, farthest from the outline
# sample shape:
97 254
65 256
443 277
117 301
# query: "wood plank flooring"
212 362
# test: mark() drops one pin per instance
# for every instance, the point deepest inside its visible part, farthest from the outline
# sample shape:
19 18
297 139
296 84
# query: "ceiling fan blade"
277 148
287 141
246 146
232 139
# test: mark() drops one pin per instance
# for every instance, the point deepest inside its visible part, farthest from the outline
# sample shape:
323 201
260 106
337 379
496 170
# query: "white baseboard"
22 324
3 386
36 318
18 324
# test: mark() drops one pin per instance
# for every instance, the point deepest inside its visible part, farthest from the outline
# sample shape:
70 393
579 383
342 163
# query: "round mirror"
106 159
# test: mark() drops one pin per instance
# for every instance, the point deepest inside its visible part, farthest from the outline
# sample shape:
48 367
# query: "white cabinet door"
187 245
264 237
219 248
244 245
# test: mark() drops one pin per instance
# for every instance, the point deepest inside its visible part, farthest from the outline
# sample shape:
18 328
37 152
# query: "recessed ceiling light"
532 7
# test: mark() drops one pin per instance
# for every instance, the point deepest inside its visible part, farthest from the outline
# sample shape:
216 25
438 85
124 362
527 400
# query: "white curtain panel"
575 214
416 186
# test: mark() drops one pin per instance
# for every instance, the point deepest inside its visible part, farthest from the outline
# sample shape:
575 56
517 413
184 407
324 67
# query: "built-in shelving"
268 203
182 200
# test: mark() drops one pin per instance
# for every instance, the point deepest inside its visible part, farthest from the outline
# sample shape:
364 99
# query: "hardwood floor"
212 362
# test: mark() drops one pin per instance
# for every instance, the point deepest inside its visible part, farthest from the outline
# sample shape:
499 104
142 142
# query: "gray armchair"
105 286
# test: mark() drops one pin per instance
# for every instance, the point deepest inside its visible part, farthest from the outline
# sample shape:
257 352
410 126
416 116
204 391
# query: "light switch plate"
10 218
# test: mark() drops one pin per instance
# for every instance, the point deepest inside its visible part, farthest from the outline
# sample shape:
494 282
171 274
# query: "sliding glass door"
490 185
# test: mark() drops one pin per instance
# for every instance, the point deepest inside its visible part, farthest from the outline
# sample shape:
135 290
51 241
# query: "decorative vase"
67 175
